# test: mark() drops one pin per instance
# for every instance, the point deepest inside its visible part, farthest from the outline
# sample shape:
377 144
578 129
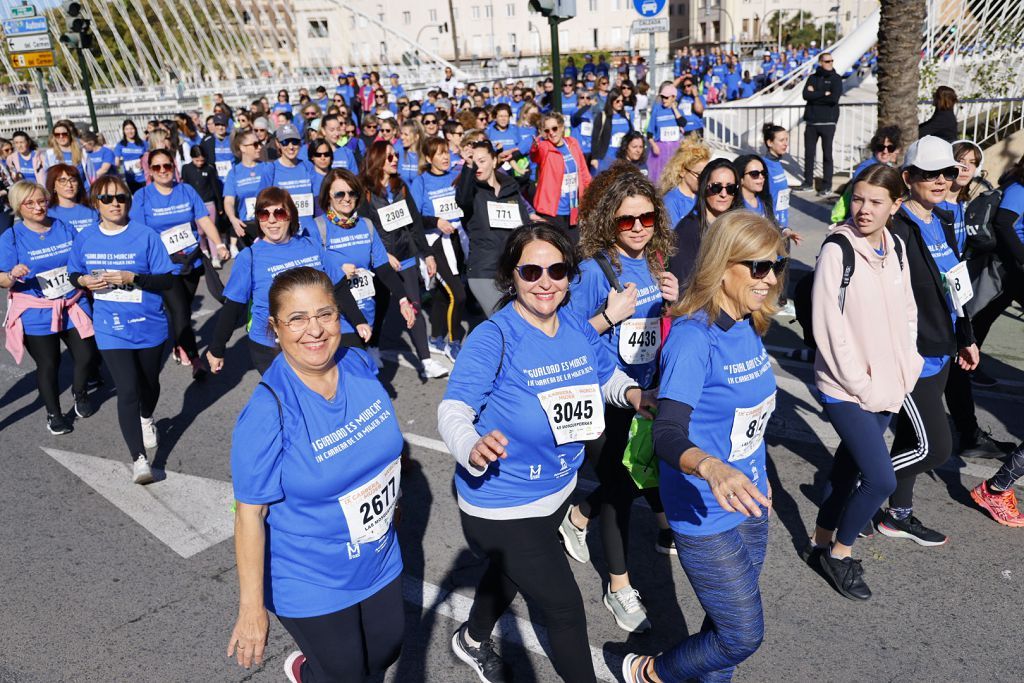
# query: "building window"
670 12
513 43
406 18
595 36
432 15
592 4
318 28
510 10
488 9
679 33
475 11
746 26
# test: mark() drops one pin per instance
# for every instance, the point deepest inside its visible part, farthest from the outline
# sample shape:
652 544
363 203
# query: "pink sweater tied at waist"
18 303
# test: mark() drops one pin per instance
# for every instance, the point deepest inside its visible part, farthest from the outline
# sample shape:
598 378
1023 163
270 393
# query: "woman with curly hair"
678 180
625 239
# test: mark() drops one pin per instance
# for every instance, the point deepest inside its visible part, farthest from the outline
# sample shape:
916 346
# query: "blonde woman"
678 181
64 148
716 395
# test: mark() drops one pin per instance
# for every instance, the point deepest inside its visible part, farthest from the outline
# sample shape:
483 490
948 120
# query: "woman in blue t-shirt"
316 469
243 182
776 140
128 155
610 126
678 180
623 233
527 392
126 267
68 199
64 148
717 393
44 308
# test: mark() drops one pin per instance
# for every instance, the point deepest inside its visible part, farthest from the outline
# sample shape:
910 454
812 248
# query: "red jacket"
550 169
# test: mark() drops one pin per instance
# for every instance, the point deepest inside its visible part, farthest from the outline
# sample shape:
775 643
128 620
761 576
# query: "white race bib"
958 282
361 284
54 283
368 510
394 216
446 208
617 140
223 167
669 133
748 425
639 339
686 108
503 215
574 413
133 167
128 295
570 183
782 200
303 203
250 208
178 238
586 128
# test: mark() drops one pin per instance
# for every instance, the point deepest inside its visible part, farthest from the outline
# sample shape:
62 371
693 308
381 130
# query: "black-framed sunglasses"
626 222
531 272
730 188
344 194
322 155
759 269
951 173
291 142
886 148
428 122
120 198
756 174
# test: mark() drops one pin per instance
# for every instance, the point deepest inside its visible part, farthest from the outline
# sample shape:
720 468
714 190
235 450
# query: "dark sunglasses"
309 114
161 168
120 198
256 144
344 194
759 269
626 222
370 126
554 129
730 188
322 155
531 272
756 174
949 174
429 121
886 148
60 135
392 157
291 142
280 213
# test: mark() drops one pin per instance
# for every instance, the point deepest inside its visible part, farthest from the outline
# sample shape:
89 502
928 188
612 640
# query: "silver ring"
731 495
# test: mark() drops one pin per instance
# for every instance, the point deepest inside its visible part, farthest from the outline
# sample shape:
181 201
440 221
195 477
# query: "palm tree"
900 30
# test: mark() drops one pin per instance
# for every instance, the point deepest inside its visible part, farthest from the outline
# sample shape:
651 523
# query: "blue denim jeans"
723 570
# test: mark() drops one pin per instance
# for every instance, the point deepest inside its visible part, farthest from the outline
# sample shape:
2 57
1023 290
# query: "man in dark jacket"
821 92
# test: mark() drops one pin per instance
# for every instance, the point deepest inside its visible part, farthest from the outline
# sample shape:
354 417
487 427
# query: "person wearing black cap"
218 146
821 92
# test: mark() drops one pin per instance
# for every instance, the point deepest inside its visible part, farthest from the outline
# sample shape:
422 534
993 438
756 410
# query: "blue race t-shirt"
172 217
78 217
634 342
26 166
959 222
126 317
620 126
509 138
255 269
101 156
678 205
539 376
244 183
724 373
568 197
694 121
778 187
343 158
940 251
298 181
361 246
1013 201
46 256
408 164
130 155
330 473
662 126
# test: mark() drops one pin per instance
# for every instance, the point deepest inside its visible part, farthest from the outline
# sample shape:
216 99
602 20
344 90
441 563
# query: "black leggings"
922 441
411 279
449 300
262 356
526 555
136 374
353 643
45 351
613 499
178 300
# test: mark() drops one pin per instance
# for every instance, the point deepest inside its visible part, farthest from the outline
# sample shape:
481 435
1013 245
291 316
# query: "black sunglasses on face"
120 198
730 188
291 142
626 222
886 148
759 269
531 272
949 174
756 174
321 155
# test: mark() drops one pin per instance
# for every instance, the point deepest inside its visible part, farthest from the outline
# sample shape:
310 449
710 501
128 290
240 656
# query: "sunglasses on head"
626 222
344 194
756 174
886 148
730 188
120 198
759 269
280 214
531 272
949 174
161 168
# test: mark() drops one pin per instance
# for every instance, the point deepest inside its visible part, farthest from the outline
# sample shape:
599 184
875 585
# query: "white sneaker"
374 353
233 249
149 435
141 473
216 262
432 369
788 309
629 612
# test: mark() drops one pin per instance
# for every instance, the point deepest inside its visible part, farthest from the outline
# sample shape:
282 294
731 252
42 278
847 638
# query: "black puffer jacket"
822 92
486 243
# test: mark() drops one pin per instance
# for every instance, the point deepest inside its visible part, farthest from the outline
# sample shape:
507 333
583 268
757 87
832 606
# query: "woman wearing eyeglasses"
562 176
678 181
716 395
387 202
69 202
174 211
453 132
314 536
754 185
43 307
526 394
431 125
625 241
280 246
717 192
244 181
610 126
885 145
388 129
126 266
64 148
282 103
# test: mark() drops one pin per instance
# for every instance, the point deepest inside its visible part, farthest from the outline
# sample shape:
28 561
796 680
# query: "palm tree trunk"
900 31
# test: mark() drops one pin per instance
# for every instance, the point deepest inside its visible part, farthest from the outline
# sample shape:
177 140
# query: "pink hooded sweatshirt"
867 353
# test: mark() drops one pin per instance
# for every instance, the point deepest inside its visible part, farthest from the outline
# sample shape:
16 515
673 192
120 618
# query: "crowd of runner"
616 279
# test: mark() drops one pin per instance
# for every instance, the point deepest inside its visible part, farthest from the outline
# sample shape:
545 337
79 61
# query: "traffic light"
79 35
561 9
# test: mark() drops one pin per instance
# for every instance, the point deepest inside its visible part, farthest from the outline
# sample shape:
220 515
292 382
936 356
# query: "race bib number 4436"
368 509
574 413
748 425
639 339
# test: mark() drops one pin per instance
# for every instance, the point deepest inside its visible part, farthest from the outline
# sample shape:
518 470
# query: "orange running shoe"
1001 505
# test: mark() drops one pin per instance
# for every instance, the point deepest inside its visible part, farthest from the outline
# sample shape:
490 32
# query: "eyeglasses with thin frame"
67 180
626 222
120 198
531 272
730 188
41 203
280 214
759 269
552 129
300 322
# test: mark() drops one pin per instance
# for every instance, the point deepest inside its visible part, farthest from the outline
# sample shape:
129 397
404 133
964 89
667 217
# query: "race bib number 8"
54 283
958 282
639 339
574 413
748 426
368 510
503 215
394 216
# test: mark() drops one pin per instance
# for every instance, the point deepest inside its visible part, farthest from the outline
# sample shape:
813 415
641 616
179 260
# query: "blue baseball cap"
393 76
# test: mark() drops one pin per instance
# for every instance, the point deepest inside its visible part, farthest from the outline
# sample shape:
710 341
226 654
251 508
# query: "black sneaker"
980 378
666 543
911 528
982 445
57 425
810 555
846 576
83 408
483 660
868 531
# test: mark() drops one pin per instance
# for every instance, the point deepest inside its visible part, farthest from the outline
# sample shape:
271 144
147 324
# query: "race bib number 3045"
368 510
574 413
748 425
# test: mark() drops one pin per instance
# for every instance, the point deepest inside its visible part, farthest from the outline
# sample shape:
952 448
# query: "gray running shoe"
629 612
575 539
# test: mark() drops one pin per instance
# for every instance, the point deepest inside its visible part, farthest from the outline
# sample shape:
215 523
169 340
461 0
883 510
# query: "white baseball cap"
930 154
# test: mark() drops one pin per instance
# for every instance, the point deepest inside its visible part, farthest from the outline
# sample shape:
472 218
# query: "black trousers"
136 374
526 555
562 223
449 299
45 351
261 356
922 440
382 299
353 643
178 301
813 133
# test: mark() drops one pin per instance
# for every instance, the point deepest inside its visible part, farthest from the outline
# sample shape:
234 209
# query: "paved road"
89 594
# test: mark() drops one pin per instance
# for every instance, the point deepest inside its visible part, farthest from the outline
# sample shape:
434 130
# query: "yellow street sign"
32 60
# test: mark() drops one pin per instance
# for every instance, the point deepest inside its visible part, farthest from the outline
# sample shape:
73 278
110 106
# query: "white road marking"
187 513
